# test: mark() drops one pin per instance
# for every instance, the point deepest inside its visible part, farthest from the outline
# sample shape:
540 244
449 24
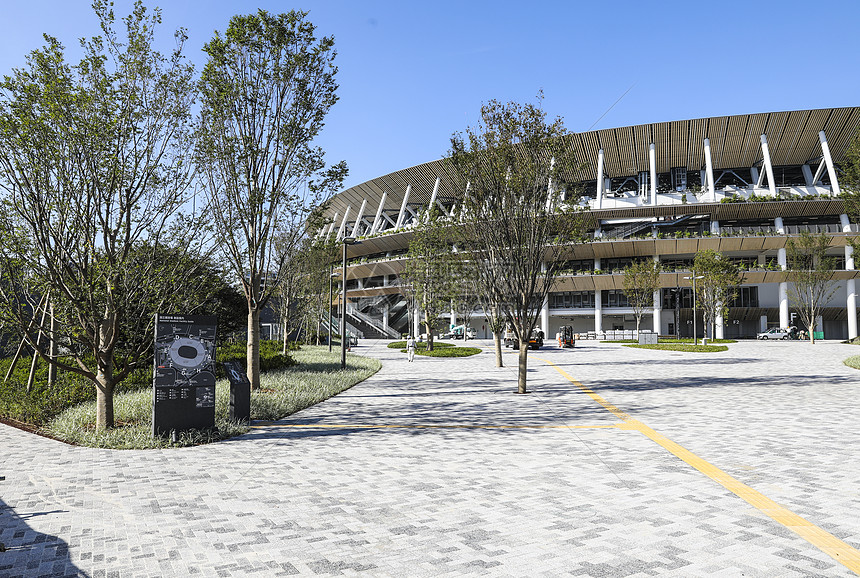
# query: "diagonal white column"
765 153
377 220
331 227
402 213
342 229
358 219
709 170
831 170
600 182
432 202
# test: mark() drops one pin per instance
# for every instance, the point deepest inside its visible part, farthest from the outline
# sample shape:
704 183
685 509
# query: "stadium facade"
741 185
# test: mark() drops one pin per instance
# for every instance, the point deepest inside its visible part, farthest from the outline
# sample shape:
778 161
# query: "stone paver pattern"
437 468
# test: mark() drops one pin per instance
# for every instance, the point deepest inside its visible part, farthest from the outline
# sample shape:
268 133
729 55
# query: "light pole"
346 241
331 275
693 278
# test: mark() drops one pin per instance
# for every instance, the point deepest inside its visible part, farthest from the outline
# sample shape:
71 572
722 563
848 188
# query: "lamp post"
331 275
693 278
346 241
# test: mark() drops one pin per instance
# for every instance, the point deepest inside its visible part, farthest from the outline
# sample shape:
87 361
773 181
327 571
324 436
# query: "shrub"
42 403
420 346
447 352
270 355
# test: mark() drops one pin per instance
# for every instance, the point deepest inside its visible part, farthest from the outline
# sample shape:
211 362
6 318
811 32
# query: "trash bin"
704 340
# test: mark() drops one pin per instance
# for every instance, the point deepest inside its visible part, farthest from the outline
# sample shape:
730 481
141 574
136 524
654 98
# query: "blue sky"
412 73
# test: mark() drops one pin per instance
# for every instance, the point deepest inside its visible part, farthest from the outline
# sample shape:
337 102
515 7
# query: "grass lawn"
673 340
316 377
853 361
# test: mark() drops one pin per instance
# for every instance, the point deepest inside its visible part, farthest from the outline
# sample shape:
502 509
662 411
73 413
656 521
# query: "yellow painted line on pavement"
821 539
423 426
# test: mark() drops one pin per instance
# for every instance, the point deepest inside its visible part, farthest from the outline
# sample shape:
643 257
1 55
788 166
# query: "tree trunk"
52 348
497 340
104 396
523 368
253 368
429 335
284 347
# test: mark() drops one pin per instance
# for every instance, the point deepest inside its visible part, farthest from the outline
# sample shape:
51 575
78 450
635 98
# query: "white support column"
417 322
652 160
851 293
715 228
754 182
762 323
765 152
598 305
405 202
600 182
385 316
453 316
831 170
340 231
718 324
544 317
783 305
845 223
355 228
783 291
432 202
377 220
657 318
780 227
331 227
819 171
807 175
709 170
549 189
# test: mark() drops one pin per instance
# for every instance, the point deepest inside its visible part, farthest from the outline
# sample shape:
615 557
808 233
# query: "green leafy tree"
717 287
810 272
431 270
266 89
511 172
93 172
641 280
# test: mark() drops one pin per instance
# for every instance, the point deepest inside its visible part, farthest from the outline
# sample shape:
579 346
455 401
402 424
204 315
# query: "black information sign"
240 391
184 374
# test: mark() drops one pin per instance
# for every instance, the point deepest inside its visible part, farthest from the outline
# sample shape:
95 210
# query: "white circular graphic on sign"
187 353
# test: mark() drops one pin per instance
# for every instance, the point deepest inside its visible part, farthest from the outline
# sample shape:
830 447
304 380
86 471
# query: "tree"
266 89
641 280
717 287
810 271
490 302
431 270
510 170
93 171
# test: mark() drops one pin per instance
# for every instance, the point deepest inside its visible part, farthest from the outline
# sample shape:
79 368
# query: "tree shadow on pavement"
31 553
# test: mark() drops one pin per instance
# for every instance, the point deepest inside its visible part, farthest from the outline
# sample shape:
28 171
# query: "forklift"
566 336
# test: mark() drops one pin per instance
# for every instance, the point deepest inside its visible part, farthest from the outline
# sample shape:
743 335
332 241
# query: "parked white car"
773 334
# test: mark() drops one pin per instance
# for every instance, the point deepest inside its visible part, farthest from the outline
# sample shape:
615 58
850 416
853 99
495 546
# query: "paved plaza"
621 462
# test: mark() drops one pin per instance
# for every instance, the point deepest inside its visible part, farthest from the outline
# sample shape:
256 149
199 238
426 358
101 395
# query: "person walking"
410 348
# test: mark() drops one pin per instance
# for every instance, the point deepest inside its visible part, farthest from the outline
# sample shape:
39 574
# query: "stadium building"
741 185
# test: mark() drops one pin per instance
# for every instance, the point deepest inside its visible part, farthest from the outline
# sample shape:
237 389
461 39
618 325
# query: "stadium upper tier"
645 169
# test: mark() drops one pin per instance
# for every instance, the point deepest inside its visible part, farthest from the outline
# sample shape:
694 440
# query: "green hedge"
447 352
420 346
